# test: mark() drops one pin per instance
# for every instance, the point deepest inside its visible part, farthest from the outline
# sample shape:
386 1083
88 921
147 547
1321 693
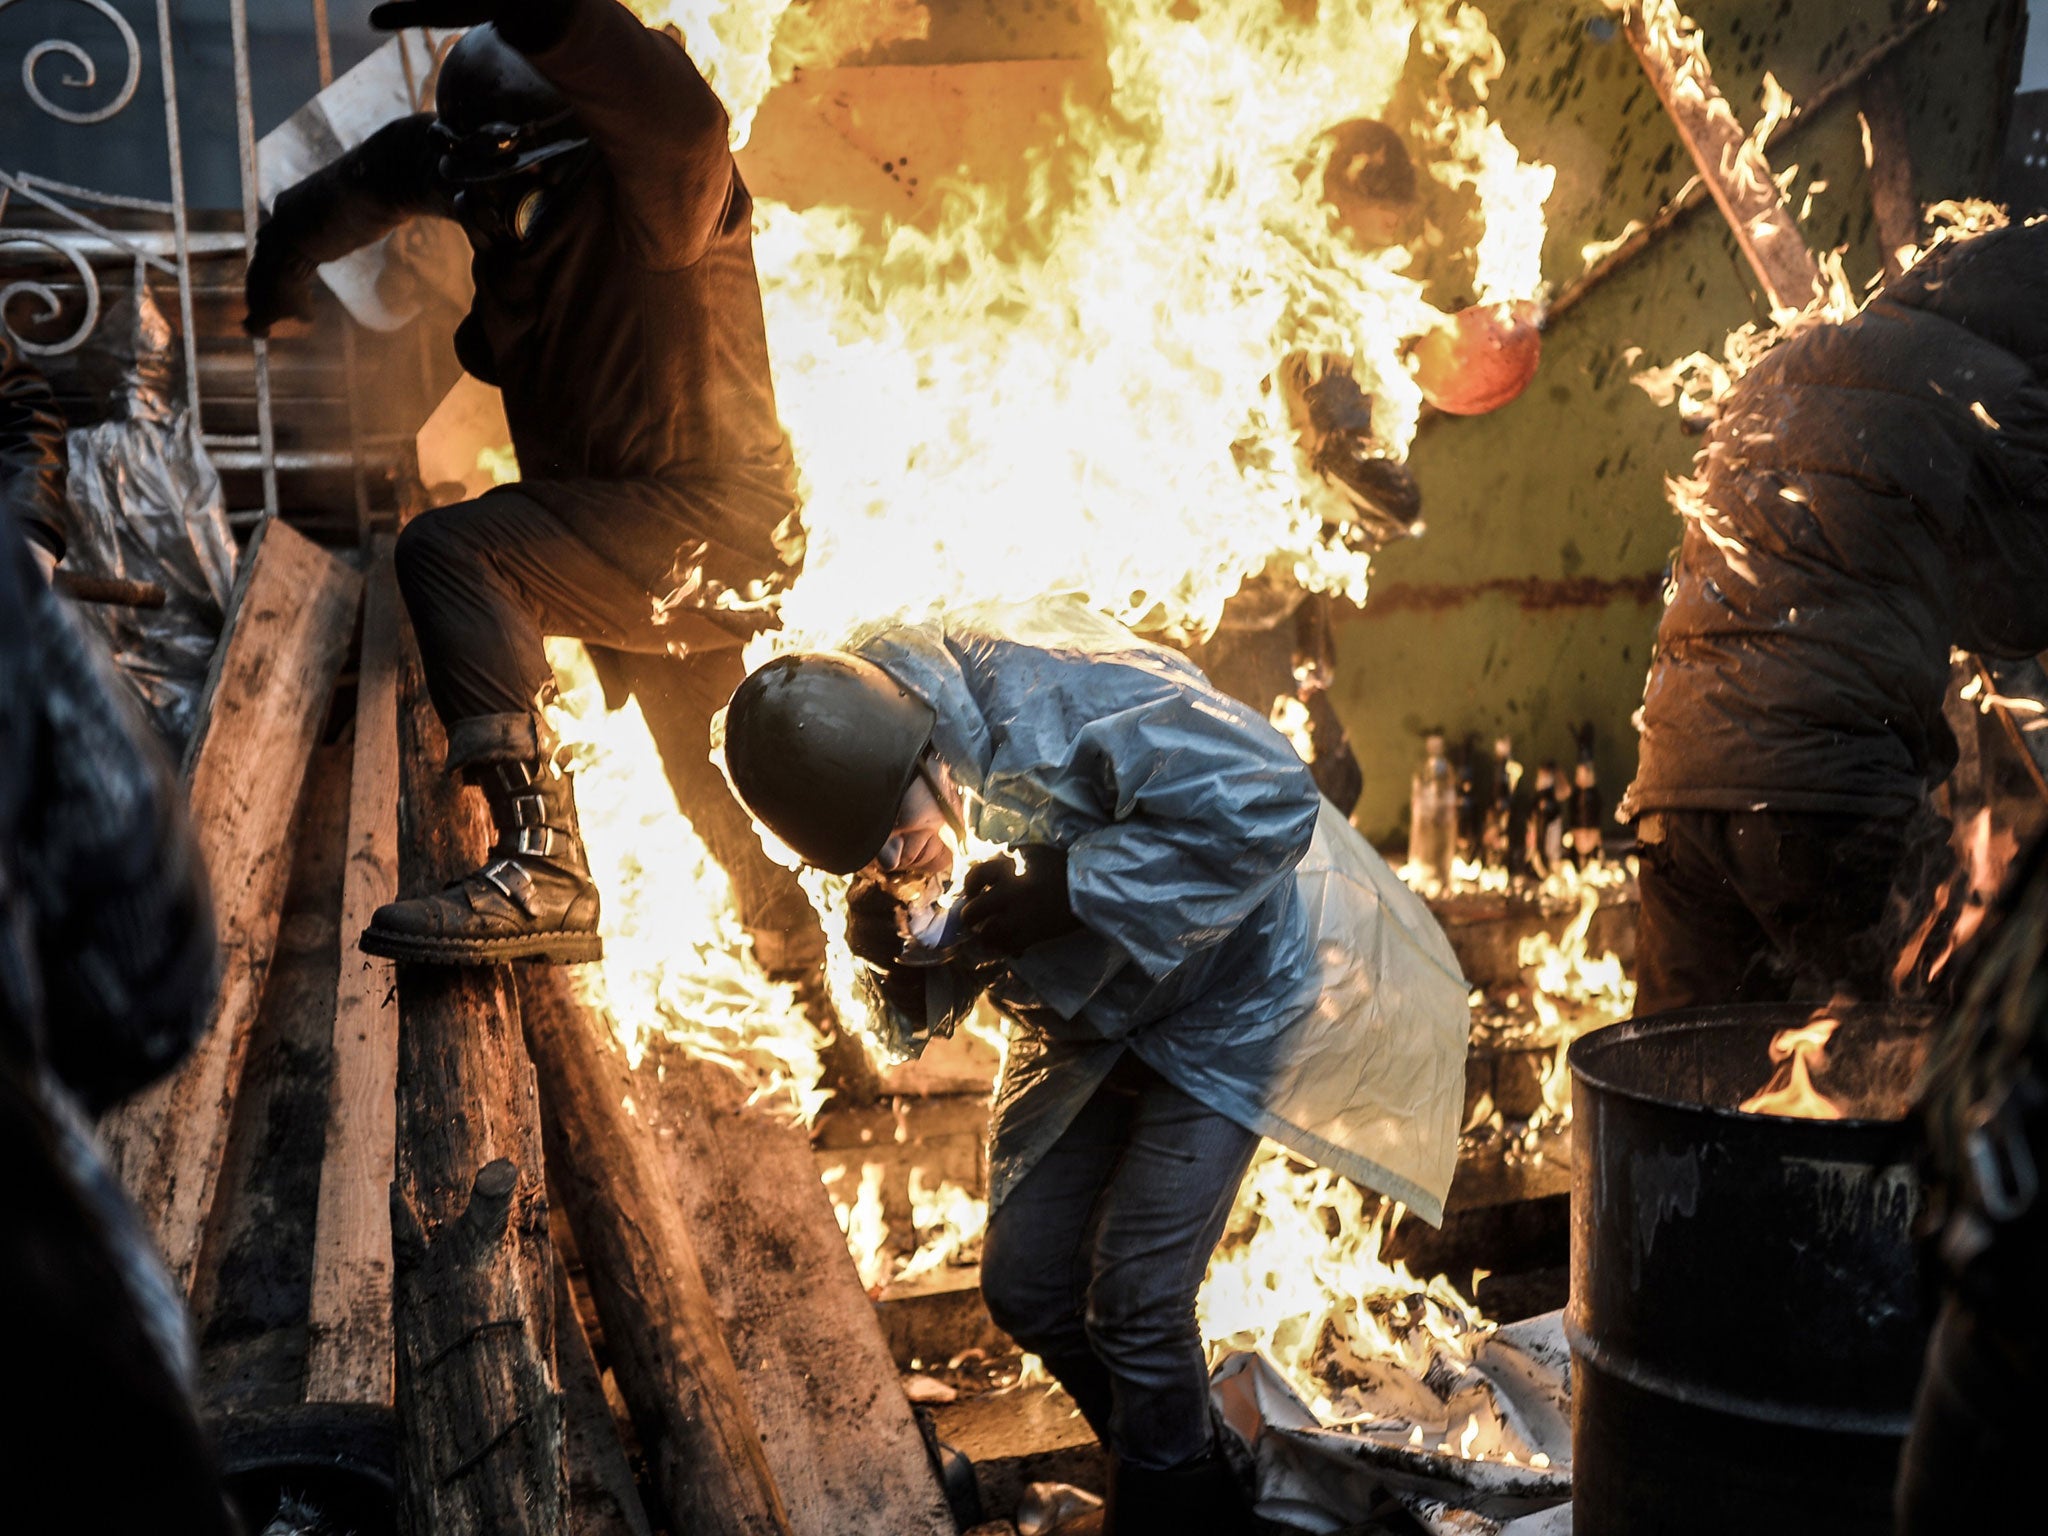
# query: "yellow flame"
1300 1277
1790 1090
1077 392
676 961
865 1222
501 464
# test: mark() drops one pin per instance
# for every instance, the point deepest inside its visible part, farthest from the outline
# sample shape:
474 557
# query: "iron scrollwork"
52 301
84 77
64 48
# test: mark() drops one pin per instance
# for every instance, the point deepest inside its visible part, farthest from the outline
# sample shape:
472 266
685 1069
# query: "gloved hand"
280 281
400 14
1009 911
873 928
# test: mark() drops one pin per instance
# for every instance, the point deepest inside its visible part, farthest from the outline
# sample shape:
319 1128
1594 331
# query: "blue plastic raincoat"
1237 934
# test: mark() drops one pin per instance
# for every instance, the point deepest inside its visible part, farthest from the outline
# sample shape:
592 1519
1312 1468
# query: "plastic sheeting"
146 505
1501 1392
1238 935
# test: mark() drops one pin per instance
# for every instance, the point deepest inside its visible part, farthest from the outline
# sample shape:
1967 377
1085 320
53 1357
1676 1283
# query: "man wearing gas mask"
617 309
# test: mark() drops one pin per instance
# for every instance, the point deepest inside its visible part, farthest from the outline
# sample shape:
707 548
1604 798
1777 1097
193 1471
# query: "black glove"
873 929
400 14
1010 912
280 281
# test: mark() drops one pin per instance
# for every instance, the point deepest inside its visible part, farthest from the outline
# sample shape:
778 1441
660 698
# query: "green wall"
1566 483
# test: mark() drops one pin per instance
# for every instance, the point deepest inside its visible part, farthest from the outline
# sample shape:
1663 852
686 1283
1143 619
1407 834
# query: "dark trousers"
1764 906
485 580
1093 1261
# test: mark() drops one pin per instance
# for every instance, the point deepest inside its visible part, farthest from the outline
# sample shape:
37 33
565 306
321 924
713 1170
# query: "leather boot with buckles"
533 898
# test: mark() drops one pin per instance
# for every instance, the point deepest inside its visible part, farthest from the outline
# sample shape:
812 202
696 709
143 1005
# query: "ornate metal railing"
67 81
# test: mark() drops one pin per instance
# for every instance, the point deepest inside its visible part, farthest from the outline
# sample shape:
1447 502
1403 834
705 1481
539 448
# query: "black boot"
533 898
1203 1496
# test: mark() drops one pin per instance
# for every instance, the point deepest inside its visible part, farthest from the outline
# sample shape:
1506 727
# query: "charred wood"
266 695
835 1425
667 1345
473 1270
1736 174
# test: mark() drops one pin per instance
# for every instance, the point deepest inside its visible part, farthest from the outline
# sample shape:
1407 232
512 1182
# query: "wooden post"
349 1316
667 1346
267 693
1735 172
837 1429
473 1270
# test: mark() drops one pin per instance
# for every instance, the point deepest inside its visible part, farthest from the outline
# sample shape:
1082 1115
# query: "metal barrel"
1745 1319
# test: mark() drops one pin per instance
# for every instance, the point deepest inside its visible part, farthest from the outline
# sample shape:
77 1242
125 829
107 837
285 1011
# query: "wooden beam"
667 1347
267 693
1736 174
603 1498
473 1281
838 1431
349 1317
1694 192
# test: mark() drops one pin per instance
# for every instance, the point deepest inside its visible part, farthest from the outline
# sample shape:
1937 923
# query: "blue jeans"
1094 1260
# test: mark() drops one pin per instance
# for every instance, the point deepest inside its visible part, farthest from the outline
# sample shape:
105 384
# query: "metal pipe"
323 45
90 225
245 133
175 146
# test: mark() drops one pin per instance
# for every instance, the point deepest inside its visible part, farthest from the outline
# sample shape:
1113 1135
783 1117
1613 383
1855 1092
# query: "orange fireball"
1480 362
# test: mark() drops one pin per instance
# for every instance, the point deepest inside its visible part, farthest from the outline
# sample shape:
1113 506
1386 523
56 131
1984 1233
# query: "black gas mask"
508 204
510 145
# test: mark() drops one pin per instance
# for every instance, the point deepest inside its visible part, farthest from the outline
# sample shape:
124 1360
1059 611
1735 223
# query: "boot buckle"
537 840
512 881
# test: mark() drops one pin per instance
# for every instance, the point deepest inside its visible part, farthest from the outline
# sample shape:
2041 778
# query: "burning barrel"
1745 1325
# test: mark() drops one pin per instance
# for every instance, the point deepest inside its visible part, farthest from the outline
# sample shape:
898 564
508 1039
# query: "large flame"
1078 392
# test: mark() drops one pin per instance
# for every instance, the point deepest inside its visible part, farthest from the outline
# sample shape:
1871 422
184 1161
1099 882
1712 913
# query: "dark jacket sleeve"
658 124
110 895
390 177
32 456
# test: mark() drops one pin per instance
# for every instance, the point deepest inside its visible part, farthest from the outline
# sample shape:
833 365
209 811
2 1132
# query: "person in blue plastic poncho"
1194 951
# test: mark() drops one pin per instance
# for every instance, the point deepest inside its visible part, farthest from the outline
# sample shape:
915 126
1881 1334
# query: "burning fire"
1984 850
1299 1276
1078 392
1790 1090
676 962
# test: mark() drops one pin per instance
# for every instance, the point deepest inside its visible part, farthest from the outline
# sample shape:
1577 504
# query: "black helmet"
821 747
497 115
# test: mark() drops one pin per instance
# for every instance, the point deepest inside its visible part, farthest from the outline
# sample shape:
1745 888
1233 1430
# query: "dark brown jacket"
626 333
1877 492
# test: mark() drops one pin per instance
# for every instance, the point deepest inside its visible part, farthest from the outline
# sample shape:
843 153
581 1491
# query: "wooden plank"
667 1348
267 693
836 1426
349 1316
603 1498
1734 169
473 1281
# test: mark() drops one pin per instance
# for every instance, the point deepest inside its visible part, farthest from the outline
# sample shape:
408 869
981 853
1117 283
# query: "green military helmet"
821 746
